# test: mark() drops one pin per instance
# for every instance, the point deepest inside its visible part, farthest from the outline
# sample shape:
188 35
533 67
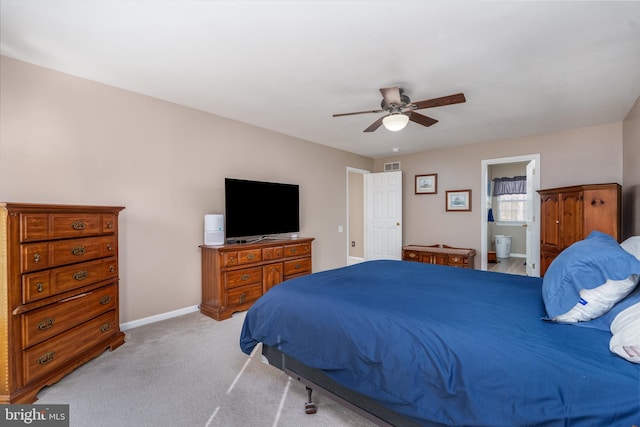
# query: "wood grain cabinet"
569 214
440 254
58 292
234 276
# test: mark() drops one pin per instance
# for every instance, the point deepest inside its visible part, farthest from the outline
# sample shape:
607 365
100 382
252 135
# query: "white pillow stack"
626 334
625 328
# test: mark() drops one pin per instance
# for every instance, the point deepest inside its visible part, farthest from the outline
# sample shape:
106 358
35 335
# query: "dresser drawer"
297 266
77 250
55 352
274 252
38 256
297 250
34 227
458 260
36 286
75 225
240 295
246 276
249 256
411 256
77 275
41 324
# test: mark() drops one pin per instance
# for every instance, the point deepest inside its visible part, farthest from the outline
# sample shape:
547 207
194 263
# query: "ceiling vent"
392 166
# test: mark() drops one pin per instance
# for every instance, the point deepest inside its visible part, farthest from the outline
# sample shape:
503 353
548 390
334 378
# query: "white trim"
158 317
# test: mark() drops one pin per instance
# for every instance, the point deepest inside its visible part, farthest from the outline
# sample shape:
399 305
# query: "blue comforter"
448 345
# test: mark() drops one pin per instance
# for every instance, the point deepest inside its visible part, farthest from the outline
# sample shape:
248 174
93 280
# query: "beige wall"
577 156
68 140
631 169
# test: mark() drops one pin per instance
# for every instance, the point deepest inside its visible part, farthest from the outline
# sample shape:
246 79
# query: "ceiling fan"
401 109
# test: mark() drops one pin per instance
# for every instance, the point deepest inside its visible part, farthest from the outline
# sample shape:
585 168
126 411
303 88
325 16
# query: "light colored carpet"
188 371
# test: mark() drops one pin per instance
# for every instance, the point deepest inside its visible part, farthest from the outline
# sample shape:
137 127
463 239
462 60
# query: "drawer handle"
36 258
40 287
46 324
251 256
109 224
78 250
243 297
105 327
245 277
46 358
81 275
105 300
298 266
294 250
109 247
111 269
78 225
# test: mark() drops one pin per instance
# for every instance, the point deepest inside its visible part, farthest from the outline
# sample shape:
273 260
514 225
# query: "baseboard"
158 317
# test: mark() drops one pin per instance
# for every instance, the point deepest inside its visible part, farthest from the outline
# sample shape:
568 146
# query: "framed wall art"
459 201
427 184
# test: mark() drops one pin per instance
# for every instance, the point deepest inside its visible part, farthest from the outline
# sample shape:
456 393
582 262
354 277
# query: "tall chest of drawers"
234 276
58 292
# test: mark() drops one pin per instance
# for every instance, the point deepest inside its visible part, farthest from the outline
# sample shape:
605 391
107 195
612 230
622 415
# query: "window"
511 208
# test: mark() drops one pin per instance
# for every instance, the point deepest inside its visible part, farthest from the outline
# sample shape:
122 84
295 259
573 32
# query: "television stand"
235 275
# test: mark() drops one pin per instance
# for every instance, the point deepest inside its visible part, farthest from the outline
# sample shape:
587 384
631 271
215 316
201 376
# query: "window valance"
515 185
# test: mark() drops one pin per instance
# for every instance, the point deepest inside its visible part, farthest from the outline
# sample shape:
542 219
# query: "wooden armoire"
569 214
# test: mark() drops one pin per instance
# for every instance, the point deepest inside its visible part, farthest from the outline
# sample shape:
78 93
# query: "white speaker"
214 229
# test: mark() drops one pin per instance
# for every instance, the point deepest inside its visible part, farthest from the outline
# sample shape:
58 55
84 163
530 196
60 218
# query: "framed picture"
427 184
459 200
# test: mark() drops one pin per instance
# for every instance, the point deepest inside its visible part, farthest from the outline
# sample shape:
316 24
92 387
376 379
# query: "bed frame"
316 379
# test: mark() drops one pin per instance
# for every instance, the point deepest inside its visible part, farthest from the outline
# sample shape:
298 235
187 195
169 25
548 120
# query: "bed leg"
310 407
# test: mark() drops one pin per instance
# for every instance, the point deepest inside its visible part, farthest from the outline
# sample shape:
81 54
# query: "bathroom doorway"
524 235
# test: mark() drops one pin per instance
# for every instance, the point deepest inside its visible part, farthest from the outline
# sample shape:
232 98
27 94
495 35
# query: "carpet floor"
189 371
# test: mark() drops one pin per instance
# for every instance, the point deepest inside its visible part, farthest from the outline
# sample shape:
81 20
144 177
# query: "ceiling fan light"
395 122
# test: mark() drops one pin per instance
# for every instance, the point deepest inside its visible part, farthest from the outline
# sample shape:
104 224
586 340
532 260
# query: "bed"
418 344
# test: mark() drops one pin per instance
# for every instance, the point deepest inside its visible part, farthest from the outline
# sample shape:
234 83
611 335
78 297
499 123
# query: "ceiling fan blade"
375 125
439 102
357 112
421 119
391 95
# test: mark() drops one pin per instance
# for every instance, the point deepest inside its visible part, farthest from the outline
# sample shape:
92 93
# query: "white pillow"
632 245
595 302
625 328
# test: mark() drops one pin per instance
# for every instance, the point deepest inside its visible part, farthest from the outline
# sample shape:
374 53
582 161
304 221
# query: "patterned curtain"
515 185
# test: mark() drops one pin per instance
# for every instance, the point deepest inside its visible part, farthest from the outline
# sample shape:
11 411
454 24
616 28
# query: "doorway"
355 215
374 215
530 228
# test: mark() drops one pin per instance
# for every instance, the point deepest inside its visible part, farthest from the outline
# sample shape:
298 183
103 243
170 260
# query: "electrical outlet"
353 244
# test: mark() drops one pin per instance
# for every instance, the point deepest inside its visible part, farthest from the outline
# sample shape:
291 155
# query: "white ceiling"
525 67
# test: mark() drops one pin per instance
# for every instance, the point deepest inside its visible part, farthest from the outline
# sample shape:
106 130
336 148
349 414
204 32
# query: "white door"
383 215
530 263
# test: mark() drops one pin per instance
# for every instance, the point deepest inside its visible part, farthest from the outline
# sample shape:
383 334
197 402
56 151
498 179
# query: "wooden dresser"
569 214
58 293
440 254
234 276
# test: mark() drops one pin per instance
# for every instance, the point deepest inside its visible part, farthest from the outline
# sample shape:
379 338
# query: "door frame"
484 225
348 232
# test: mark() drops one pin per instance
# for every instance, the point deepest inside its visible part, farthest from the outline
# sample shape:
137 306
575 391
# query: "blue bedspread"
448 345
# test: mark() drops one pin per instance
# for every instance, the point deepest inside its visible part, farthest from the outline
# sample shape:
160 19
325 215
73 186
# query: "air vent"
393 166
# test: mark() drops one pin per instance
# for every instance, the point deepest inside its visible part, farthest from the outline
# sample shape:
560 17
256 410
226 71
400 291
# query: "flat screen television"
258 208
